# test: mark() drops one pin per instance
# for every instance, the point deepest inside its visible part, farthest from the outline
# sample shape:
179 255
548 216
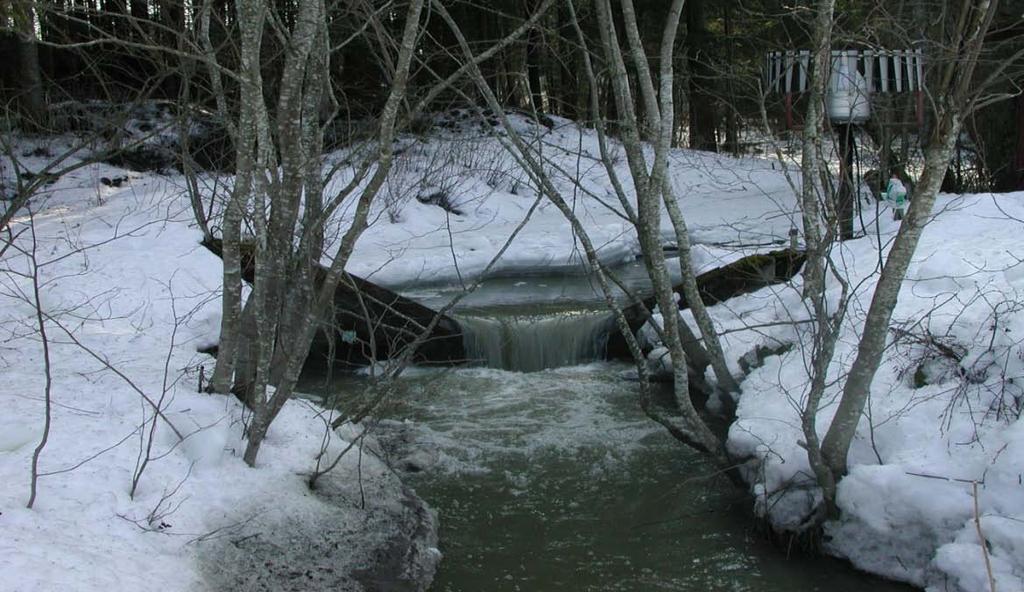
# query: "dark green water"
555 481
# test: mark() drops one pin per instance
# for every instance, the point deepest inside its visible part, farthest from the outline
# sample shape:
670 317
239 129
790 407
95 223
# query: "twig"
981 539
106 364
942 478
46 364
143 461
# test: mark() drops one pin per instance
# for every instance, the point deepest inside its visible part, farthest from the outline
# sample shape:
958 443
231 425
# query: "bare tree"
653 188
284 192
250 131
47 367
291 328
652 191
31 101
820 231
955 94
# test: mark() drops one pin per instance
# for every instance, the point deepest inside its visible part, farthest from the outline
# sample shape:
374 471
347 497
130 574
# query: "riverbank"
130 297
936 462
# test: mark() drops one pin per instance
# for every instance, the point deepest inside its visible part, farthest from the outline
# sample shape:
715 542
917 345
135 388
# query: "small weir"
551 478
531 340
537 322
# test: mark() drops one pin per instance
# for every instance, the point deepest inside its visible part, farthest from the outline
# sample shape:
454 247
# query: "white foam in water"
476 420
528 343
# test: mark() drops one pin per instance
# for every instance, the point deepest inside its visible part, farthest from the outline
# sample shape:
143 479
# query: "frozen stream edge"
366 534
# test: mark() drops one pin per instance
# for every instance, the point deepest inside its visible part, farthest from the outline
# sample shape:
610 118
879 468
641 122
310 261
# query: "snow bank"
944 413
727 201
121 268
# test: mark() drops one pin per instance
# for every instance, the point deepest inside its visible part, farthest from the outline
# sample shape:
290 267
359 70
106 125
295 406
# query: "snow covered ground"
732 205
942 439
124 273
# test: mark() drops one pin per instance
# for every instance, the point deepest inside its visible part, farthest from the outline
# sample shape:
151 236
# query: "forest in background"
122 51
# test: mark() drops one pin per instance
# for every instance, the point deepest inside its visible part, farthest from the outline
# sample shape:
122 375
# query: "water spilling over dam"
514 339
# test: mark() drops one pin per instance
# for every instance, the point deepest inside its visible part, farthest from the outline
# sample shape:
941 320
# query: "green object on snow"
896 194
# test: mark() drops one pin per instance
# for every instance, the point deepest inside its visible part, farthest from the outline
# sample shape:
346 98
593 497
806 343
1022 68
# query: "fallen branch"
981 539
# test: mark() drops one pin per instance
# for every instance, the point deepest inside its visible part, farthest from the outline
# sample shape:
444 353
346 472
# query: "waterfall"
531 342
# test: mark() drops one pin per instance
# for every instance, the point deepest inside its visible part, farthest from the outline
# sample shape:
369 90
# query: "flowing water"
555 481
548 477
535 322
527 338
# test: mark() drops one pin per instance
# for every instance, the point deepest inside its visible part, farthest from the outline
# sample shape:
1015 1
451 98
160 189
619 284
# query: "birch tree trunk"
660 109
812 190
302 334
819 238
650 186
251 16
953 95
836 444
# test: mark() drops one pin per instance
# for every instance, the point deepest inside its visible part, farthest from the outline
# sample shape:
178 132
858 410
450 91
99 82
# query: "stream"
546 474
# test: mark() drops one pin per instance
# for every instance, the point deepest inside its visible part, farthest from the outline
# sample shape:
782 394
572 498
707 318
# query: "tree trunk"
836 444
846 197
246 141
173 13
139 9
732 132
245 356
703 115
1017 179
536 54
955 94
31 101
651 189
300 336
817 243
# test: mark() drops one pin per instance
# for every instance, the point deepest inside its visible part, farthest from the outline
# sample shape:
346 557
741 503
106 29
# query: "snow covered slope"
943 433
121 269
728 202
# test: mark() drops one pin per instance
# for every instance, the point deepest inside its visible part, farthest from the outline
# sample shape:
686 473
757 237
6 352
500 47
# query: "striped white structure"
882 71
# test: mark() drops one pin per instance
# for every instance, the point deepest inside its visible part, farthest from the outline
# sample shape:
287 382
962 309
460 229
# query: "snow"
728 202
144 296
123 270
908 503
